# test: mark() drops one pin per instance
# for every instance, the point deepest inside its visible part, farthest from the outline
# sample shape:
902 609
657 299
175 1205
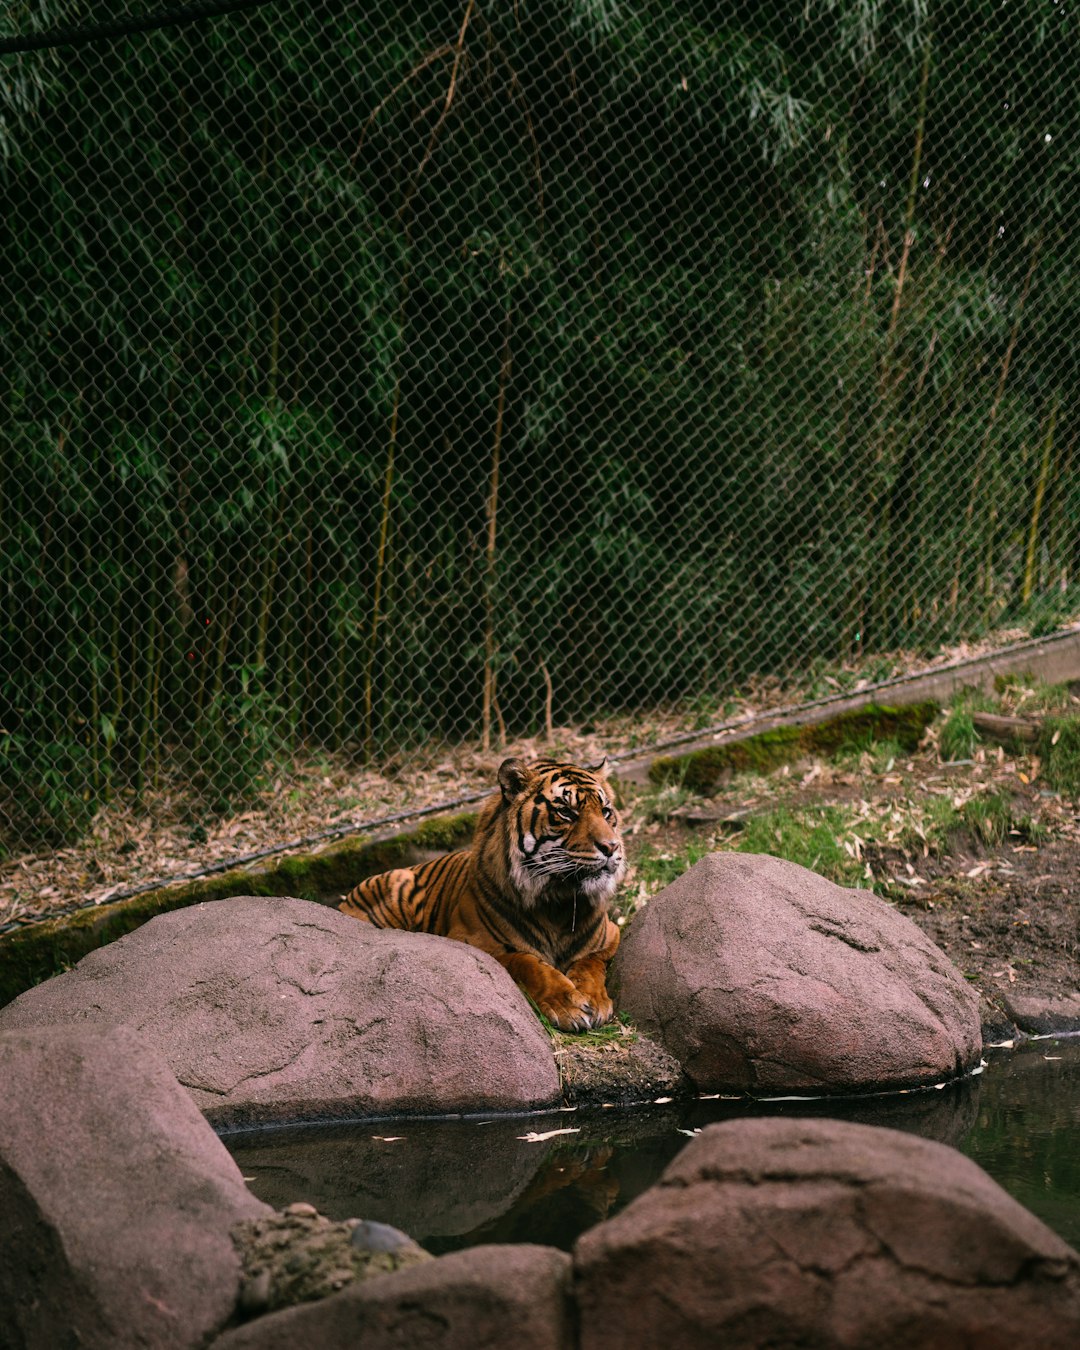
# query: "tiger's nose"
608 847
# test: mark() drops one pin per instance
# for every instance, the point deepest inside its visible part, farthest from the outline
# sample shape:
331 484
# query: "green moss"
34 953
701 770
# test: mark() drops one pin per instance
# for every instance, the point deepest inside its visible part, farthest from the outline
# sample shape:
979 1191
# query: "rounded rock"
271 1010
761 976
370 1236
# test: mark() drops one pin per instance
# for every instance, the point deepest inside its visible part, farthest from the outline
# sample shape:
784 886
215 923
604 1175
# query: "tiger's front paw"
571 1011
604 1009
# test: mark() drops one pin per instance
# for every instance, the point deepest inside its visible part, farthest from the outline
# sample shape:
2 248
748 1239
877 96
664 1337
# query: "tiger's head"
562 830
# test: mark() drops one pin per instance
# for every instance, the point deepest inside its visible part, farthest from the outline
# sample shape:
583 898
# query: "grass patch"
831 840
655 869
884 754
1023 694
934 830
657 801
620 1028
958 735
988 818
1030 830
812 838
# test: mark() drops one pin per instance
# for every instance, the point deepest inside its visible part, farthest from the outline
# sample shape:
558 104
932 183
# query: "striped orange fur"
532 890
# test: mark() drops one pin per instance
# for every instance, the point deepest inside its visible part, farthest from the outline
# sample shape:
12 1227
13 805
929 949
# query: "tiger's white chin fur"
604 884
597 888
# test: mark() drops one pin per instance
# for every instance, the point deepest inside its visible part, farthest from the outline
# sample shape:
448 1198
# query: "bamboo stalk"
146 721
877 602
879 233
228 617
499 720
118 699
380 564
549 698
459 54
984 445
492 523
1036 506
340 671
309 624
1060 480
270 571
155 706
913 190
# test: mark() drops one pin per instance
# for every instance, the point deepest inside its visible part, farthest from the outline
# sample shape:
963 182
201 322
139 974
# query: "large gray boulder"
486 1298
280 1009
761 976
782 1232
117 1198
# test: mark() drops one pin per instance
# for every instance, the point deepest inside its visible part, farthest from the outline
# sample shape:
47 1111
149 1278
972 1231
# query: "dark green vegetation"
370 372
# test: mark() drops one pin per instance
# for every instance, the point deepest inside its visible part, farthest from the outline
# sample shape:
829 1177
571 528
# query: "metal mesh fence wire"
385 377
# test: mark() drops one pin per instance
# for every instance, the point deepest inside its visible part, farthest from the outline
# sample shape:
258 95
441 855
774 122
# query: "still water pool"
455 1183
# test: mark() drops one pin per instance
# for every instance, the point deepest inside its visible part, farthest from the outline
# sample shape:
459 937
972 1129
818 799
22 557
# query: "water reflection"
456 1183
1027 1132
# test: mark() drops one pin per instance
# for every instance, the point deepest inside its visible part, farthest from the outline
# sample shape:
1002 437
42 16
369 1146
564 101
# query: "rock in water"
486 1298
779 1232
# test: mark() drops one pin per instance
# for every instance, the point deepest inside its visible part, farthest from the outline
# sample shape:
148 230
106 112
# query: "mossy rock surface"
701 770
300 1256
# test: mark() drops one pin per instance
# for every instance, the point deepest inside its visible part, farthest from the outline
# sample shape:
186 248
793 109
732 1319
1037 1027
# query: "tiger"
532 889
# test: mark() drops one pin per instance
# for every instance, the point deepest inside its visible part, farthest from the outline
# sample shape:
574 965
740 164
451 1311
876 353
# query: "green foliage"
46 789
238 737
254 352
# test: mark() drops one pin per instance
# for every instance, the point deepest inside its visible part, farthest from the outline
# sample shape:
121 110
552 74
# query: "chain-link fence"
377 377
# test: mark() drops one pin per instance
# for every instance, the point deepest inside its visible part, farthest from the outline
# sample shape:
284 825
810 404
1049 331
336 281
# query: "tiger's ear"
513 775
599 769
